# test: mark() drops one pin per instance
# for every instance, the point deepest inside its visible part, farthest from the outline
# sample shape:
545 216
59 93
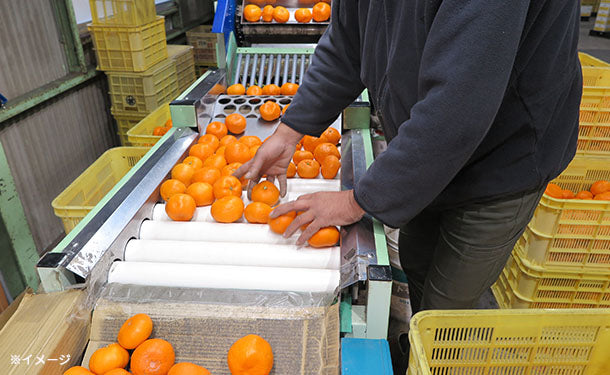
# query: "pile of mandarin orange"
253 13
250 354
205 177
161 130
600 190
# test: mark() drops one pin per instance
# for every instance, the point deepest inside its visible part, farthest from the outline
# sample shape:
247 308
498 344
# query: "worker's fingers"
283 185
288 207
271 178
245 168
300 220
309 231
251 184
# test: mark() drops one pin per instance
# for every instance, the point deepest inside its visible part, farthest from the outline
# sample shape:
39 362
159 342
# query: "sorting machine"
128 239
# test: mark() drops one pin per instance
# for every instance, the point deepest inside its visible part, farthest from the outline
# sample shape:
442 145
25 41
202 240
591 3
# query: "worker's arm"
333 80
466 66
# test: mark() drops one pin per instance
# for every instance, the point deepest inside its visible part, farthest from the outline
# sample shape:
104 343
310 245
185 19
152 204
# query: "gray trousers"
452 256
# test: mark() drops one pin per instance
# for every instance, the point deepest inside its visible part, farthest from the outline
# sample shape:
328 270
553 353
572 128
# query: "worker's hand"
320 210
271 159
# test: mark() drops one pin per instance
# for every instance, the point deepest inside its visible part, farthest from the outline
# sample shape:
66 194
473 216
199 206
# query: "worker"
479 103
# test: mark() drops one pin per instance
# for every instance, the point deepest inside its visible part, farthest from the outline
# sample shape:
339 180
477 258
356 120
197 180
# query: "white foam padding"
224 277
231 253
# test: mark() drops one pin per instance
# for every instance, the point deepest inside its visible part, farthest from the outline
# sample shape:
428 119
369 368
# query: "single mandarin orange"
257 213
108 358
78 370
330 166
605 196
229 169
268 13
159 131
224 141
236 123
183 173
217 128
271 89
237 152
280 224
325 237
254 91
600 187
221 151
585 194
554 190
266 192
567 194
321 12
250 355
250 140
303 15
153 357
301 155
270 111
135 331
180 207
215 161
291 171
308 168
171 187
193 161
227 209
118 371
331 135
252 13
310 143
281 14
236 89
227 185
206 174
253 151
210 139
202 150
289 88
202 193
187 368
323 150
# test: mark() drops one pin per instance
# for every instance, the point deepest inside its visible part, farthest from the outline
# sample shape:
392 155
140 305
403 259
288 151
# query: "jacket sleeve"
333 80
465 70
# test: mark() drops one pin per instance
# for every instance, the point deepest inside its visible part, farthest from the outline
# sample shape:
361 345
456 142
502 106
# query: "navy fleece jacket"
479 98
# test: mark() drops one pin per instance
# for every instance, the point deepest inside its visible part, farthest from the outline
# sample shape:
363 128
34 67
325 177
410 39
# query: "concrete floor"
593 45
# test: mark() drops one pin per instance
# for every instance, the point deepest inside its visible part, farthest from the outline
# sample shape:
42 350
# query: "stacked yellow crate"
130 45
563 258
185 65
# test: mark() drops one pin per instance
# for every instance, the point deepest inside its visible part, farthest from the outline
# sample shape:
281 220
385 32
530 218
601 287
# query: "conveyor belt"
264 69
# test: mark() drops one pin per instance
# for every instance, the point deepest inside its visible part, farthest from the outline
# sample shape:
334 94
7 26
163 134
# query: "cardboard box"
305 340
205 43
46 334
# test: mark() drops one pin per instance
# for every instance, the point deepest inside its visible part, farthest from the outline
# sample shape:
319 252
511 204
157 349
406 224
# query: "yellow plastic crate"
129 49
124 124
525 287
78 199
185 65
141 134
510 342
588 60
576 218
142 93
122 12
563 254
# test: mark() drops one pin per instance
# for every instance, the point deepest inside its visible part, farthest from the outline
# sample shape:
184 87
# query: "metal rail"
263 69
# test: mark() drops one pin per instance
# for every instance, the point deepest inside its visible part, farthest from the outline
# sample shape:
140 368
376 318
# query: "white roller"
204 214
212 232
312 185
224 277
230 253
